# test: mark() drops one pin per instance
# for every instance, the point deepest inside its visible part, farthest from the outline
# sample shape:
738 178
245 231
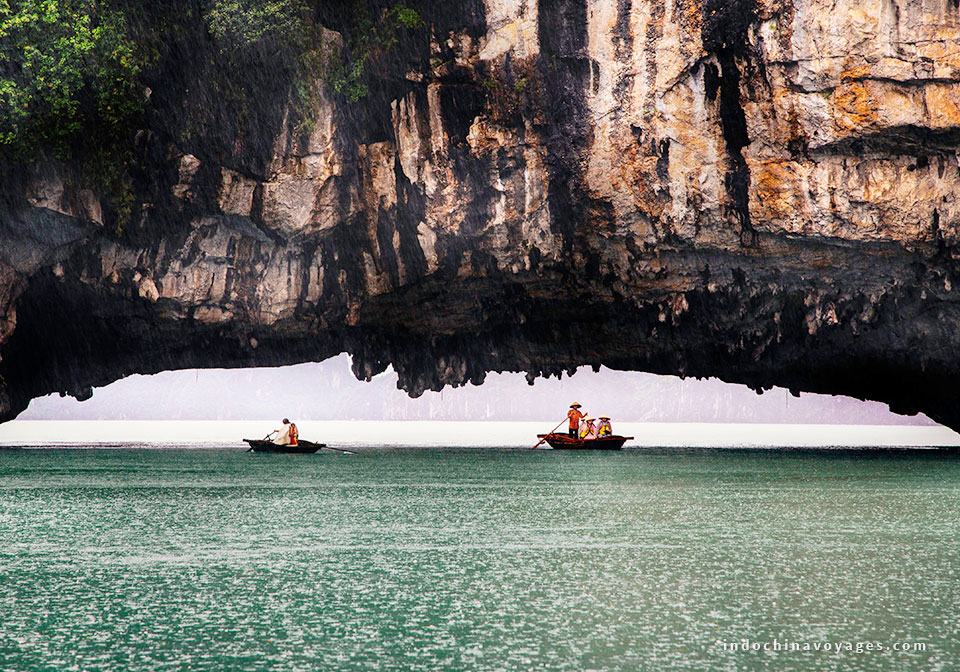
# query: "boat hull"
264 446
564 442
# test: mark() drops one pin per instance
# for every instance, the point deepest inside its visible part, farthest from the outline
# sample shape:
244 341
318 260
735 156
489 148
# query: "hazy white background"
329 391
220 407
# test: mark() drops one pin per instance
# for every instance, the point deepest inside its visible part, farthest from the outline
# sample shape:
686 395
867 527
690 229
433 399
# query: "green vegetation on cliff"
240 23
368 40
68 71
80 78
317 56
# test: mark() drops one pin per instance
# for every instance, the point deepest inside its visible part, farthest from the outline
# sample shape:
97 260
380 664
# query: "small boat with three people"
584 433
564 442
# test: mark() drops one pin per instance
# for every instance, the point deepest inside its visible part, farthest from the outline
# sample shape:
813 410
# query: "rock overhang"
636 185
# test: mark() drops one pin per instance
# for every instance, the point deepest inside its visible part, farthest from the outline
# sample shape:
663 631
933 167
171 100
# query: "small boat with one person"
268 446
287 440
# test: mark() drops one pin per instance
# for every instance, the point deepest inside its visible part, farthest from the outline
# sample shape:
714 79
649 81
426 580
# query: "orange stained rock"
784 121
777 189
854 107
943 106
690 17
637 174
854 73
942 51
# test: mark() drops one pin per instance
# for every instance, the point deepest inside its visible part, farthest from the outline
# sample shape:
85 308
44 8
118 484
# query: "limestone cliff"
755 190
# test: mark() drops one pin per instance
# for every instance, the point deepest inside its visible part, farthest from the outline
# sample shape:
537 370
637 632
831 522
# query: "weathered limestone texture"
759 191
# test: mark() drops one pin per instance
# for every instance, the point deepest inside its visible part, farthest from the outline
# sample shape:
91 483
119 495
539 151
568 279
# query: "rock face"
759 191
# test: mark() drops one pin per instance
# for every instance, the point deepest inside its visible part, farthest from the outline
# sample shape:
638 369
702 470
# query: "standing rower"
574 415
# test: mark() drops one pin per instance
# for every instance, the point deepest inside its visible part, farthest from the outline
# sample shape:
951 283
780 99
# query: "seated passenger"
604 429
287 436
588 431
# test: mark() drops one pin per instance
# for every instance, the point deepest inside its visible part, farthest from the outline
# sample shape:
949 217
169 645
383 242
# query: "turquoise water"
476 560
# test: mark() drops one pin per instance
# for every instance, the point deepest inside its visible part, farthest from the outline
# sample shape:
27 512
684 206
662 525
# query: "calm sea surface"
471 559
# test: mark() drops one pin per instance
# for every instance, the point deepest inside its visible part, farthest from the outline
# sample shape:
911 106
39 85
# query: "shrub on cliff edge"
237 24
68 75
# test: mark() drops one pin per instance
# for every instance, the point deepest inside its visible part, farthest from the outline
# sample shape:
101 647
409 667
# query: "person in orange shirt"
574 416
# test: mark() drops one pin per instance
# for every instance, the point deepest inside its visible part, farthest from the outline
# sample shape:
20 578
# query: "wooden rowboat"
564 442
265 446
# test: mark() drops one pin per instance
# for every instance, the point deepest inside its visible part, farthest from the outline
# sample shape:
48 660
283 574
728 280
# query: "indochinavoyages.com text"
840 646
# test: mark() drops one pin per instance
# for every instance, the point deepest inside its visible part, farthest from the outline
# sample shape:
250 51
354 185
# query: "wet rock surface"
762 192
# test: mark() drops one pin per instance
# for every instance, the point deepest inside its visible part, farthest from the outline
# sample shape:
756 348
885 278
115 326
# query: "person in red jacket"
574 416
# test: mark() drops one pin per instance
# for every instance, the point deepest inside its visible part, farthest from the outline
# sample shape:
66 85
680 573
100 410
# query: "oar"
341 450
548 433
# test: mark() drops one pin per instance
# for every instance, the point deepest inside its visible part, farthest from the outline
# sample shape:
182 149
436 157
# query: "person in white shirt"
287 435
